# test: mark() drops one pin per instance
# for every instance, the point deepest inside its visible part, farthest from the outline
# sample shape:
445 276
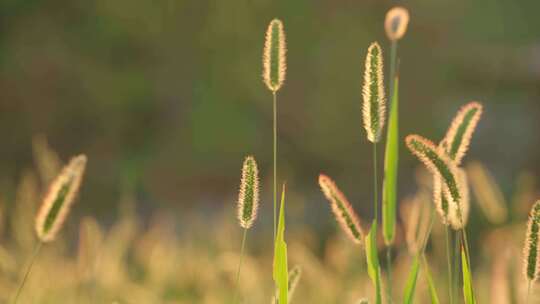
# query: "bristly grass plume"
374 105
248 198
437 162
531 250
55 208
274 57
59 198
458 137
396 22
248 203
342 209
274 68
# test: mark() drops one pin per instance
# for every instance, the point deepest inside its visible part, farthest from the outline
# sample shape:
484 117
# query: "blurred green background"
166 97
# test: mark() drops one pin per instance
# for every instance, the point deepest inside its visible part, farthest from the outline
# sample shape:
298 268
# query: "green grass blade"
372 258
391 159
431 286
410 285
280 273
468 293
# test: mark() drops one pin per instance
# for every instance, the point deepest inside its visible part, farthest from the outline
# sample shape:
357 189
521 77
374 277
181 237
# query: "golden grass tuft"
59 198
248 197
374 105
342 209
274 56
396 22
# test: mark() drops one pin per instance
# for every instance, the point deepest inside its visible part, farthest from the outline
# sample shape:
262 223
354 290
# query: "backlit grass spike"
342 209
396 22
437 162
248 198
458 137
374 105
59 198
274 56
531 251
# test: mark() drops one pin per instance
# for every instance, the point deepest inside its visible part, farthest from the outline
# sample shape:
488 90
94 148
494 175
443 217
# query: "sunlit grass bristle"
374 104
459 211
59 198
342 209
274 56
396 22
248 198
532 245
437 162
458 137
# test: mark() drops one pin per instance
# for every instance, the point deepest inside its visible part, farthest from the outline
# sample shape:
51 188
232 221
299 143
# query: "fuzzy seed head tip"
342 209
248 197
274 56
396 22
374 103
59 199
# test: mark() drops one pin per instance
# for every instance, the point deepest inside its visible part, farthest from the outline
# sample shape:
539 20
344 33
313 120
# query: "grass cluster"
129 264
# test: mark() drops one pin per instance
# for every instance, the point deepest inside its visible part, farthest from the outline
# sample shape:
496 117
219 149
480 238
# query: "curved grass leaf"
410 285
431 286
294 277
280 273
372 258
391 161
468 293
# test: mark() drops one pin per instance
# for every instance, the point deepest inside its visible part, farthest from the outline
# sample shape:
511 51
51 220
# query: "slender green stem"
28 270
240 267
393 58
456 260
375 186
275 160
466 244
449 262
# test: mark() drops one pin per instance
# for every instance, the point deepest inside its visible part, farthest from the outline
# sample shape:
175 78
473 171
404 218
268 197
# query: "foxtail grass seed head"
363 301
59 198
374 106
396 22
274 56
458 137
531 251
415 214
437 162
459 211
342 209
248 198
